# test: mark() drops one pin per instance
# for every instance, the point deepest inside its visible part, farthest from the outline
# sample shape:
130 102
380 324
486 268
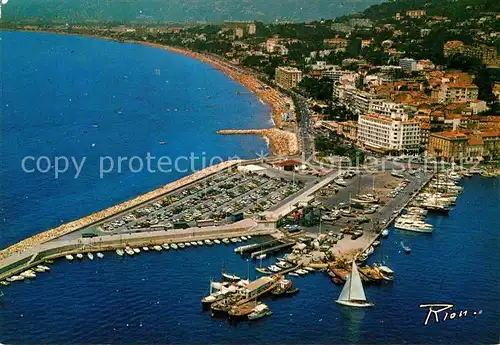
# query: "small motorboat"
244 238
38 270
181 245
230 277
79 256
165 246
120 252
208 242
69 257
145 249
249 237
369 251
216 241
45 268
129 251
385 233
376 243
406 248
274 268
225 241
161 142
30 274
262 270
187 244
291 291
157 248
173 246
233 240
48 261
5 283
259 311
136 250
200 243
293 274
194 244
261 257
100 255
90 256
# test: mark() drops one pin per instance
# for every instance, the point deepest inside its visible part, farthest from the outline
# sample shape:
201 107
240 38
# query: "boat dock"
273 249
251 247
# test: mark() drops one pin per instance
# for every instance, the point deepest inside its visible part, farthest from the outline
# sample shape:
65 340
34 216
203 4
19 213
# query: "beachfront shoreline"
280 142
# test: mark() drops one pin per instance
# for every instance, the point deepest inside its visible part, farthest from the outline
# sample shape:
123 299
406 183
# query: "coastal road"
306 138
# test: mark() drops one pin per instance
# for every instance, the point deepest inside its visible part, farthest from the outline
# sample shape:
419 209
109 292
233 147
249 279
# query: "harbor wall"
112 211
57 249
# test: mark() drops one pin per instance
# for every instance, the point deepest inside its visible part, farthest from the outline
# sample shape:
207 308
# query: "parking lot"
209 202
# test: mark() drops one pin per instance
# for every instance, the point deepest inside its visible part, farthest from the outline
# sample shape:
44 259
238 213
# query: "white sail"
353 288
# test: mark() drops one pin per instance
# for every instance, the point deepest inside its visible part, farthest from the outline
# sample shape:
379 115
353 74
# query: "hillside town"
390 80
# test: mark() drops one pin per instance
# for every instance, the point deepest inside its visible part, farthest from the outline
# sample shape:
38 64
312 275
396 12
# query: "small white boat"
370 250
293 274
244 238
45 268
238 239
259 311
136 250
120 252
129 251
69 257
233 240
225 240
194 244
38 270
261 256
208 242
79 256
16 278
249 237
181 245
173 246
274 268
301 271
90 256
187 244
100 255
310 269
353 294
145 249
157 248
200 243
385 233
165 246
30 274
230 277
216 241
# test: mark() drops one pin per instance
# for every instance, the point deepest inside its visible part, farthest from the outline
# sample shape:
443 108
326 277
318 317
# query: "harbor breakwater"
59 248
67 228
282 143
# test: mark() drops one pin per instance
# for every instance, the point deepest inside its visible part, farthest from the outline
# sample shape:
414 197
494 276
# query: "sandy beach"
282 142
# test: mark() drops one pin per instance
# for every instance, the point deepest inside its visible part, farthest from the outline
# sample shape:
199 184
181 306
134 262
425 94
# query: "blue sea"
76 97
155 297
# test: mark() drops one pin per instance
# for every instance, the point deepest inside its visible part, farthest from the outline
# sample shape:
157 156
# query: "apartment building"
465 145
383 133
288 77
458 93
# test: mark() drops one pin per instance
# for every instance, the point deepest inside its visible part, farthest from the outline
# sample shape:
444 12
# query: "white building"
394 132
288 77
408 65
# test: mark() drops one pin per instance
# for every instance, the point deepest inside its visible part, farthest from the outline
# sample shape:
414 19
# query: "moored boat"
120 252
79 256
165 246
69 257
90 256
100 255
259 312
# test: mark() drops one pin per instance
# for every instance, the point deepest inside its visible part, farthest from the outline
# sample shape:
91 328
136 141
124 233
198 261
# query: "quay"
251 247
15 264
273 249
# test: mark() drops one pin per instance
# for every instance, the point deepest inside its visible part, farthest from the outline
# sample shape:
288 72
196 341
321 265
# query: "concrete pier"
15 264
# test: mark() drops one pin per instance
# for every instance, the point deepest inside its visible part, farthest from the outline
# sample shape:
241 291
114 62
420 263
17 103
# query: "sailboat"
353 294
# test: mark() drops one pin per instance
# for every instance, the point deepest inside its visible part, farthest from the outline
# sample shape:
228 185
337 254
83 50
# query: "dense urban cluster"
394 79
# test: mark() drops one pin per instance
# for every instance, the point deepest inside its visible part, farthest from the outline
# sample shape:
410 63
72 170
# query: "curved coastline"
280 142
